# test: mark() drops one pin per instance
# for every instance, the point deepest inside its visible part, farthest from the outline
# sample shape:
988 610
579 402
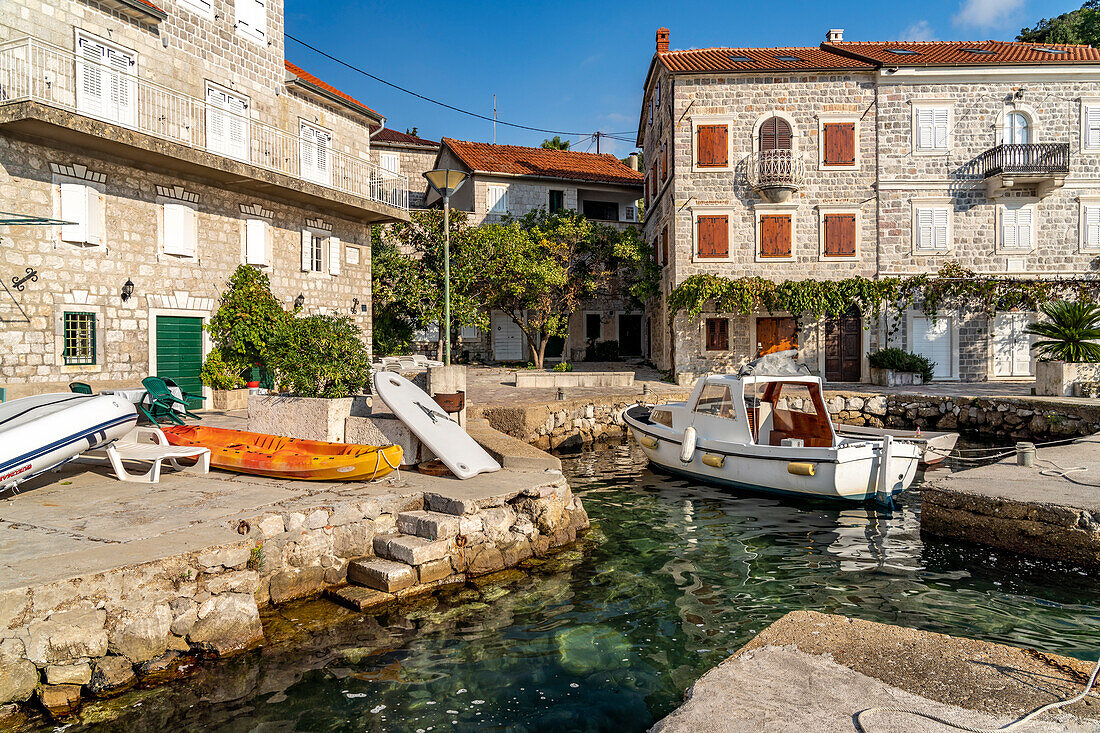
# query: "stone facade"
889 180
414 158
137 175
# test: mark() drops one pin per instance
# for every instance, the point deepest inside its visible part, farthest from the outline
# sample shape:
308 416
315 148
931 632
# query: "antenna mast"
494 119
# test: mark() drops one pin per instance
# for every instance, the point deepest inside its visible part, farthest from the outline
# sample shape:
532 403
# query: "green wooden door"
179 351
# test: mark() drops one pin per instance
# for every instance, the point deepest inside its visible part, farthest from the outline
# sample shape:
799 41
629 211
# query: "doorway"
843 347
630 334
179 351
1012 345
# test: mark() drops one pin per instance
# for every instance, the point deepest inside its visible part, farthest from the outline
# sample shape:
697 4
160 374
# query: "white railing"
31 69
779 168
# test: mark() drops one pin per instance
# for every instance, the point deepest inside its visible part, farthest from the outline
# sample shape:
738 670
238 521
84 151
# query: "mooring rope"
1063 472
960 726
396 469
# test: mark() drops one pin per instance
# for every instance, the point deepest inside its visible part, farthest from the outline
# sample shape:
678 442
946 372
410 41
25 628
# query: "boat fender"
713 460
801 469
687 448
648 441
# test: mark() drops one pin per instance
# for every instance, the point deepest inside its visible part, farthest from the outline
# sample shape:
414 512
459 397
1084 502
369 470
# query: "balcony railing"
1025 159
33 70
780 168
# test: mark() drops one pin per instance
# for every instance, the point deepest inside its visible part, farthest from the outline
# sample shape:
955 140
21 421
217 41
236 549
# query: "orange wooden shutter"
840 235
718 335
775 235
713 235
712 146
664 246
664 162
840 143
775 134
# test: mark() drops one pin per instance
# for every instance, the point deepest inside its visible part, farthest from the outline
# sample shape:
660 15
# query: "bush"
902 361
321 356
563 366
248 320
220 373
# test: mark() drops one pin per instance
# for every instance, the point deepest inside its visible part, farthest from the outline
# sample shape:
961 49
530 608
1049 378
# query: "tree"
555 143
1071 333
321 356
1077 26
539 269
246 325
408 268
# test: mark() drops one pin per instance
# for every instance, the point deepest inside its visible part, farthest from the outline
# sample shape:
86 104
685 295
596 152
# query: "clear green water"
672 578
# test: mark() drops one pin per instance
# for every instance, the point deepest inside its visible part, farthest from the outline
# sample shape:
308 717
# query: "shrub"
321 356
902 361
1071 334
248 320
563 366
219 373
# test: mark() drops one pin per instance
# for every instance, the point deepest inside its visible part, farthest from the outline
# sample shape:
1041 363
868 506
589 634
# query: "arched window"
775 134
1015 130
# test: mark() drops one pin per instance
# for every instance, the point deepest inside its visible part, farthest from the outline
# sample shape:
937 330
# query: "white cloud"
987 13
919 31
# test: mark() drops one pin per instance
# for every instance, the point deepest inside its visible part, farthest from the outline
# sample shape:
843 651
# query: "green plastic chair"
80 388
187 396
162 403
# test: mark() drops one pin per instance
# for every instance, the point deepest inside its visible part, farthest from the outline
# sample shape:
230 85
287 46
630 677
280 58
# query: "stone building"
871 159
407 155
511 180
176 142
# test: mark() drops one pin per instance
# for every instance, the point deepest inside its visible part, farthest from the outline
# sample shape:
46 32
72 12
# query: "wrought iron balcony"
32 70
1042 165
775 174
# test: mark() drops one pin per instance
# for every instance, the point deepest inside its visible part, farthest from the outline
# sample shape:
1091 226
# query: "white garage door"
933 341
507 338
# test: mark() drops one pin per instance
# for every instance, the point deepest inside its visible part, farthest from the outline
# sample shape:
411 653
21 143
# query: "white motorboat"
43 431
772 434
935 445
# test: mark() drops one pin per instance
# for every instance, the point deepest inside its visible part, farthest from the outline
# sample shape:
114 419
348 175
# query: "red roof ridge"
313 80
741 48
542 162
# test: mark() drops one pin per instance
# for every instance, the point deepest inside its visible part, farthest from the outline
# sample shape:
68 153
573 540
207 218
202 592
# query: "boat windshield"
790 410
715 400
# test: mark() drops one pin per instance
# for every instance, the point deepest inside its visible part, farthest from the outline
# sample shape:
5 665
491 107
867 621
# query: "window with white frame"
227 123
1090 225
390 162
321 252
257 242
315 144
81 204
1015 129
1090 124
1017 229
930 128
252 19
178 236
105 79
931 228
496 198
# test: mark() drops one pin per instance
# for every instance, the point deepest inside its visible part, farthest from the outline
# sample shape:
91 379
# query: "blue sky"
579 66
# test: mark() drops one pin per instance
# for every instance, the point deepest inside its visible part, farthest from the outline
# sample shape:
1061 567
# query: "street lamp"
445 182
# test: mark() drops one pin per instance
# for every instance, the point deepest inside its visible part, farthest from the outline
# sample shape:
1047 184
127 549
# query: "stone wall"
99 634
414 162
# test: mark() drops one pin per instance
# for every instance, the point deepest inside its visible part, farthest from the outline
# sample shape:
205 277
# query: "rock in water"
111 675
588 649
227 623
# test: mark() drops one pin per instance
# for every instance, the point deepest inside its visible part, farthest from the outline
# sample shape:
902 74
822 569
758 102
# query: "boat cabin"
756 410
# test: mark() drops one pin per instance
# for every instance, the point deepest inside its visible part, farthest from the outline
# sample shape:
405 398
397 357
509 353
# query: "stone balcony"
1043 166
159 128
775 174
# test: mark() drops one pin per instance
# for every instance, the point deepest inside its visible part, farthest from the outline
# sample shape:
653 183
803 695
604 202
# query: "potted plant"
225 381
893 367
1068 348
320 364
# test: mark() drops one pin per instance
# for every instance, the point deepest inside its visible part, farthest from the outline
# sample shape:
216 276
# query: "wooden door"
776 334
843 347
1012 345
179 351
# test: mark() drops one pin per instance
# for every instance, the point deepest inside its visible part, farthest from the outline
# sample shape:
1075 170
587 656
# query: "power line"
426 99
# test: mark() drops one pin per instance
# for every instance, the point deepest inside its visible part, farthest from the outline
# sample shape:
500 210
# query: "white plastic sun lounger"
134 447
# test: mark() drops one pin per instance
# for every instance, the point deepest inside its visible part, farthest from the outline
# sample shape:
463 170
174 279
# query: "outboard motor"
687 448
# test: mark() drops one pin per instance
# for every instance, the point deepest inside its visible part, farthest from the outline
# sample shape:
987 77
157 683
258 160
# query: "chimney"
835 35
632 161
662 40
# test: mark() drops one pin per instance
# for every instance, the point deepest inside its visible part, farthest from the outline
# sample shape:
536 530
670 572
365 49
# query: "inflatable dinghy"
42 432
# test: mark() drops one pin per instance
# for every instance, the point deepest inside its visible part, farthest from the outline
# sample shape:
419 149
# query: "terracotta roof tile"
543 163
952 53
154 7
759 59
311 79
388 135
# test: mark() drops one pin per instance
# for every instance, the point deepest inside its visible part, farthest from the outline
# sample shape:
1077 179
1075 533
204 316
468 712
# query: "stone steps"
429 525
378 573
410 549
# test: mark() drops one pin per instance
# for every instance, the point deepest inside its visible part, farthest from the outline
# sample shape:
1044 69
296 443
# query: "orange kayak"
281 457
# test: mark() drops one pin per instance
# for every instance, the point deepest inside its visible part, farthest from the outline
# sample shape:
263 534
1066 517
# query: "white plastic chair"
134 446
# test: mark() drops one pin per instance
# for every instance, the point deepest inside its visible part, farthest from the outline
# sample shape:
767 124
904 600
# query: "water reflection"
672 578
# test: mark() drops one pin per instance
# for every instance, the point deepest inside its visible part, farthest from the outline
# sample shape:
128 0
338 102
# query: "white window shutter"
92 92
252 18
334 255
497 199
256 247
1092 126
173 229
307 251
924 129
92 210
940 125
1023 228
925 229
1008 229
74 208
121 86
190 232
941 219
1092 226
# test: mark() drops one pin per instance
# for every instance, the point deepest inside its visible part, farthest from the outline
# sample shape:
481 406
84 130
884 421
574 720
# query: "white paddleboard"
443 436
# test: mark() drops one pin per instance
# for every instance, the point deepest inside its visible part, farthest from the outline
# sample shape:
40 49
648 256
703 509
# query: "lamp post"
445 182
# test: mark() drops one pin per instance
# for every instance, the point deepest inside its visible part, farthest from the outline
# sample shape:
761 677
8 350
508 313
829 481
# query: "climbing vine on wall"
953 286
